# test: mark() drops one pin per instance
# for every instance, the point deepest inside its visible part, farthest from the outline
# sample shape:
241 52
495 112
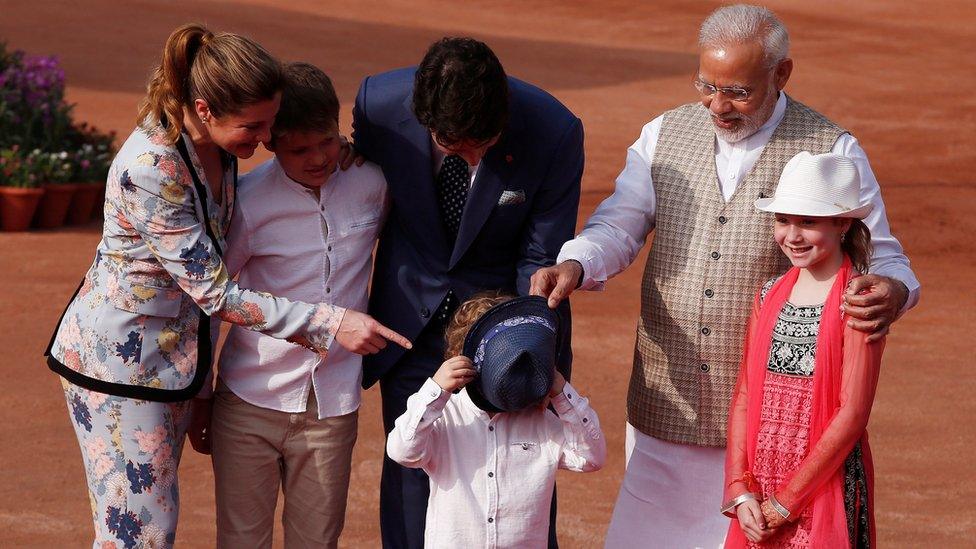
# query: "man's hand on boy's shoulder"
348 155
454 373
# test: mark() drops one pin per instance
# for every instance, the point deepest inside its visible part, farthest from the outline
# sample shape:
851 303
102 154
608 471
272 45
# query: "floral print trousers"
131 449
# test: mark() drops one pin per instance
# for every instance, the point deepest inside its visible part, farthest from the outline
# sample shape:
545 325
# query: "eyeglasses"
734 93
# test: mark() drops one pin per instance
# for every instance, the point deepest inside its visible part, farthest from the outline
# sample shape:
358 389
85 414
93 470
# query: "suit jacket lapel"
417 195
495 171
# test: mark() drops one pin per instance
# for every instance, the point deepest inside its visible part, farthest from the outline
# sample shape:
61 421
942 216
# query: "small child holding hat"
798 466
480 427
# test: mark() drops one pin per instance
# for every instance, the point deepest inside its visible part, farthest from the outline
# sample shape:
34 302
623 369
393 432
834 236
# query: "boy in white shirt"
481 430
284 416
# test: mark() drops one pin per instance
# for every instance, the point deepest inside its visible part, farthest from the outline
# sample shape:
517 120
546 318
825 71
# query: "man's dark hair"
461 92
308 101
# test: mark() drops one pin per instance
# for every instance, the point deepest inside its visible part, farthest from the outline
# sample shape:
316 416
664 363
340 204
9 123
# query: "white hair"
743 23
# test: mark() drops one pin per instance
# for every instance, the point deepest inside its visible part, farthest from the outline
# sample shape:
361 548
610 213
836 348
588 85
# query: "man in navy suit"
484 178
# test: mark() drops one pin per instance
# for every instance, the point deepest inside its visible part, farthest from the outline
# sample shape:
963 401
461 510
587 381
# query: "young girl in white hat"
798 467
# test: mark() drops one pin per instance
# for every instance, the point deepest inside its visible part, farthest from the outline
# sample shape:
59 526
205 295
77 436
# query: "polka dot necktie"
452 192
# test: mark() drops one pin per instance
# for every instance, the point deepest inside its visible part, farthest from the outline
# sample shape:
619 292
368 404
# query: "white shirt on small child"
491 479
285 241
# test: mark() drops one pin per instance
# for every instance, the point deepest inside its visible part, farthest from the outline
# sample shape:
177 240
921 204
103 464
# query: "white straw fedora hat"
818 185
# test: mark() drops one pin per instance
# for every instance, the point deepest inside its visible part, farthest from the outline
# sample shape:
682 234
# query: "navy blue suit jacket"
499 246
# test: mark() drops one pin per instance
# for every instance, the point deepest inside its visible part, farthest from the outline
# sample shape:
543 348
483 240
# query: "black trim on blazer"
204 351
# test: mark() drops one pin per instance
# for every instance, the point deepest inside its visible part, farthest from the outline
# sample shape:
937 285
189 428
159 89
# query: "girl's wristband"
729 508
783 511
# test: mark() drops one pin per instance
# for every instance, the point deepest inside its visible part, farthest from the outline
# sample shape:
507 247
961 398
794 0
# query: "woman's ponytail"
169 87
226 70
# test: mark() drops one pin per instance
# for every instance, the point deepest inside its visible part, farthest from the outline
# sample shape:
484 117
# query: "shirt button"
322 208
490 474
328 290
329 249
491 520
703 367
716 255
491 427
585 420
424 312
722 219
705 331
709 293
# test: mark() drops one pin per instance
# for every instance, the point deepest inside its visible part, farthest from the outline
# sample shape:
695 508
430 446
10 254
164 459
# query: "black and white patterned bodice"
794 346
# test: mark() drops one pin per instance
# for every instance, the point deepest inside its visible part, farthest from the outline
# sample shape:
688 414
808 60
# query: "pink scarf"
829 518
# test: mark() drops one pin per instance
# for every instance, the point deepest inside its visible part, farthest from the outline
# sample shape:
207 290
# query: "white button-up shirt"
616 231
286 241
491 479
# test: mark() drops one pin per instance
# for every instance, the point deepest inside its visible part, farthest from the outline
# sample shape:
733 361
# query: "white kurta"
617 230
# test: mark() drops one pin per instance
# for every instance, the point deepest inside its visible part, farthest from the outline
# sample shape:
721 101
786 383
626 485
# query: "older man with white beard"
692 177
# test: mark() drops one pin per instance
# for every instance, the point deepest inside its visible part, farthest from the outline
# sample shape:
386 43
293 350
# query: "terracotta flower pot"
83 203
17 207
53 205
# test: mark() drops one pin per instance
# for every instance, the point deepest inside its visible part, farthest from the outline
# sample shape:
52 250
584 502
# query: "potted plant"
19 191
56 173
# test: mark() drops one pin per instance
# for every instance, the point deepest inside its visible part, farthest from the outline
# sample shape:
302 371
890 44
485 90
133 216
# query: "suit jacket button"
425 312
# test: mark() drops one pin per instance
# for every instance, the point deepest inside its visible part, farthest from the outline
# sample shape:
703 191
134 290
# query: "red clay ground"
894 72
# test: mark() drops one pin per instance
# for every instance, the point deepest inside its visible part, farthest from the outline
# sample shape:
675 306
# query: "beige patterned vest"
708 259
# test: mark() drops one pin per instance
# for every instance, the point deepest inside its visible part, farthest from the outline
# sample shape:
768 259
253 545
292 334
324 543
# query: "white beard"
750 123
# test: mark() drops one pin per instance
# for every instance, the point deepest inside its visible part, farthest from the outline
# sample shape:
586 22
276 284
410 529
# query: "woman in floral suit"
134 344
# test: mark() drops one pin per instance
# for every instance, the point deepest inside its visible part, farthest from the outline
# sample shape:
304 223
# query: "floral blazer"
132 328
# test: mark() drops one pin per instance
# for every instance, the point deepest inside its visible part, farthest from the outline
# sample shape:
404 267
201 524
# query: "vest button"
709 293
703 367
722 219
424 312
705 331
716 255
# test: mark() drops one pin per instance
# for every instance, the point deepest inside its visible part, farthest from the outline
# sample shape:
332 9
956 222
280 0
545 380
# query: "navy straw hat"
514 348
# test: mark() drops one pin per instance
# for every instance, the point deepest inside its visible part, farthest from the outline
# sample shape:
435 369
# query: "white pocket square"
510 198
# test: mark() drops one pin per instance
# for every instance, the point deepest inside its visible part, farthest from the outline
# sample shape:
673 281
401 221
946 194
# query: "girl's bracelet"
729 508
783 511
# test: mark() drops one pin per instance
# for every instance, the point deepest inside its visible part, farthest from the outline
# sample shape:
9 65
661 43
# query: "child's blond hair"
466 315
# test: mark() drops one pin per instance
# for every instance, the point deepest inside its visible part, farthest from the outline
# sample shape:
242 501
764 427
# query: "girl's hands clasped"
751 521
454 373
